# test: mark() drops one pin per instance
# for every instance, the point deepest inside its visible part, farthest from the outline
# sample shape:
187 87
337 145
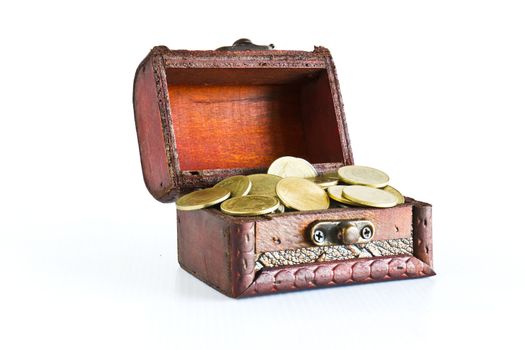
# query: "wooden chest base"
223 251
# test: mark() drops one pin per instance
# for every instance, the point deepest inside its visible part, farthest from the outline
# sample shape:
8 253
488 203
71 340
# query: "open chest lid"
202 116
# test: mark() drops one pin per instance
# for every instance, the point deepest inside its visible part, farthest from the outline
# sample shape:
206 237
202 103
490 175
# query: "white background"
434 94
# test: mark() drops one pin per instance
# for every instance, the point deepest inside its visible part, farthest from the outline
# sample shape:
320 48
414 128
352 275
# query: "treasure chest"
202 116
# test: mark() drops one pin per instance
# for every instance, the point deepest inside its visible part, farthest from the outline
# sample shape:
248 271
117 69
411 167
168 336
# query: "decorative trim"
422 228
324 274
244 62
312 255
159 73
242 247
338 273
339 109
163 58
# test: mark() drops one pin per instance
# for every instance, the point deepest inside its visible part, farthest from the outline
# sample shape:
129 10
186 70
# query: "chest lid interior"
202 116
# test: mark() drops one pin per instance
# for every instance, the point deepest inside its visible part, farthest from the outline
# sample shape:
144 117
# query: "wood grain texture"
319 119
236 126
274 88
220 250
287 231
187 104
250 125
241 76
203 242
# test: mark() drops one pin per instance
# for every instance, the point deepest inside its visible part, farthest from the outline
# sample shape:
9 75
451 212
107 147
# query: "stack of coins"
293 184
365 187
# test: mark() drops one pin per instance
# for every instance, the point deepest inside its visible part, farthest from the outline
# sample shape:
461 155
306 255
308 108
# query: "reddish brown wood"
288 230
247 118
326 274
217 249
320 121
204 115
203 247
241 76
226 113
221 251
155 167
236 126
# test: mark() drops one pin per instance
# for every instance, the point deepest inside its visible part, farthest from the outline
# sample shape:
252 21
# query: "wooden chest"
202 116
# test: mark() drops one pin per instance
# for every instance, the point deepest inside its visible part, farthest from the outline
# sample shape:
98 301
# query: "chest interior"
246 118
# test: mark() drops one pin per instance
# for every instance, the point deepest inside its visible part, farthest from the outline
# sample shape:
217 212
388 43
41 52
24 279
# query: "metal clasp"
245 45
325 233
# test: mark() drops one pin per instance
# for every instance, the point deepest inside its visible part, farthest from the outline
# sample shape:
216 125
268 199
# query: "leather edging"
422 229
242 248
338 273
298 277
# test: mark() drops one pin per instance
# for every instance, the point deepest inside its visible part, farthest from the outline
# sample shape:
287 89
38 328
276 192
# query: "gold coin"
332 175
238 185
400 198
301 194
250 205
263 184
324 181
292 167
369 196
363 175
336 193
202 198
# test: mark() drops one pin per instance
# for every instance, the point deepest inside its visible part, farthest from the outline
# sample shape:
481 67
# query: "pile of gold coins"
293 184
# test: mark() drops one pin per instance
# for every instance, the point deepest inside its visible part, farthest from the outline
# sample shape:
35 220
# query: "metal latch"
245 45
323 233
